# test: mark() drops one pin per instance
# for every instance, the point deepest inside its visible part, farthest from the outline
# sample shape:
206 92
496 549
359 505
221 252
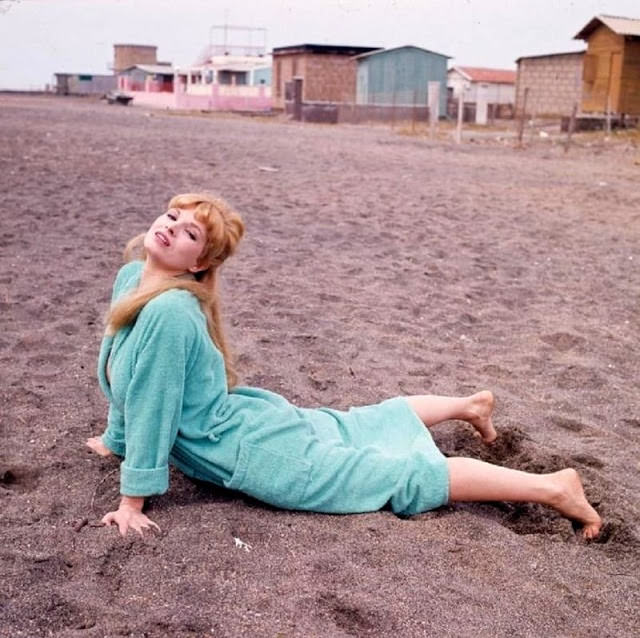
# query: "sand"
375 264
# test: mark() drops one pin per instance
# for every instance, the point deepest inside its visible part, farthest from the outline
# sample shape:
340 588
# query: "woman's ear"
200 266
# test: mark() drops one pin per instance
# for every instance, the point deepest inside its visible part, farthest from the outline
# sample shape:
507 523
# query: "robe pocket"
270 476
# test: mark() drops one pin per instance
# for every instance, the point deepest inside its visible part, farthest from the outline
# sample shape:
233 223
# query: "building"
327 72
84 83
553 83
611 70
147 77
487 94
127 55
228 82
400 76
227 75
228 86
497 85
236 70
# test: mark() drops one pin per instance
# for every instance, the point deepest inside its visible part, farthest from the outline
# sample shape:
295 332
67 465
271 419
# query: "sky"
41 37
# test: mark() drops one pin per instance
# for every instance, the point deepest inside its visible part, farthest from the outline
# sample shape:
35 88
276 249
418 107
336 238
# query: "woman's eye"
172 216
192 235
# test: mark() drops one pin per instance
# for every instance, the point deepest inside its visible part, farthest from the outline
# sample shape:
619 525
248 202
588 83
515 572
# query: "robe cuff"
118 447
135 482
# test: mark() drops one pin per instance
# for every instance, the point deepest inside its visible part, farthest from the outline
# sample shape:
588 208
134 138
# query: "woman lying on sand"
166 371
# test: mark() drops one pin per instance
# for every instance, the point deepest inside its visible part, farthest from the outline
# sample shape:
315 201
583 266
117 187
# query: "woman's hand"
129 516
95 443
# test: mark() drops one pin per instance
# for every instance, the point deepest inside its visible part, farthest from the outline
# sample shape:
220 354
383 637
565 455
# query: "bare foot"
96 445
480 412
571 502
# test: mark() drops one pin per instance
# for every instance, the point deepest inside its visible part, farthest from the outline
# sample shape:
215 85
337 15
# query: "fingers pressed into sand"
127 519
147 524
481 406
571 502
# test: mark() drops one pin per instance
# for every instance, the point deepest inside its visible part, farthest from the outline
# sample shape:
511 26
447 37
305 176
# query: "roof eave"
466 76
588 29
402 46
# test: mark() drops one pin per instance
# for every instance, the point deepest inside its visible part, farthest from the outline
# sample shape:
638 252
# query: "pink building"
228 85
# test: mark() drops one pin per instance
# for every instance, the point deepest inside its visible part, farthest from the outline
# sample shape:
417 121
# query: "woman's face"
175 242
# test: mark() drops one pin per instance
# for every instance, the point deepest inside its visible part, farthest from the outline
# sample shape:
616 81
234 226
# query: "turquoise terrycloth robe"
168 403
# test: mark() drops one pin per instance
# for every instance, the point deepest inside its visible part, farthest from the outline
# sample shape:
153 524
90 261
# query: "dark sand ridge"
375 264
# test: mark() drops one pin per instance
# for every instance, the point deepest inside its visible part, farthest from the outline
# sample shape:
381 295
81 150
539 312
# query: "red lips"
162 238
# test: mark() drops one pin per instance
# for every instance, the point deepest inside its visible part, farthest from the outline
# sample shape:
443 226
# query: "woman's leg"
476 410
473 480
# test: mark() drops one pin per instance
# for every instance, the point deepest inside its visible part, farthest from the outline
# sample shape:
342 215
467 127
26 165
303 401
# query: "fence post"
433 89
482 105
393 110
460 115
413 111
523 115
572 124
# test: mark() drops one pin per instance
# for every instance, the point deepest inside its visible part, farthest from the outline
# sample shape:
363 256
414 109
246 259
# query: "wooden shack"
611 71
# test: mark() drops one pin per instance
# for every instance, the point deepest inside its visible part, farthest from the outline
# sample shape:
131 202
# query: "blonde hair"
224 229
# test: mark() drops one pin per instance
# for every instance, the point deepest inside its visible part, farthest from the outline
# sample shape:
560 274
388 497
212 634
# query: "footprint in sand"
563 341
349 618
573 425
19 478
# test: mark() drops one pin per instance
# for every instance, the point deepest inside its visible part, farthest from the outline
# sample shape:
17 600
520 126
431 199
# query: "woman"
166 370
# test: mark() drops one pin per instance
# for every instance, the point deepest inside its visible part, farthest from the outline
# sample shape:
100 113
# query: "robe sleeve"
154 398
113 436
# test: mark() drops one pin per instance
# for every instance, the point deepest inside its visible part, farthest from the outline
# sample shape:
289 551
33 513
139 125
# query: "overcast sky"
40 37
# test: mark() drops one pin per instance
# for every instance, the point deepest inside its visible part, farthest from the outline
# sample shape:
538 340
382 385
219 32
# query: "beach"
376 263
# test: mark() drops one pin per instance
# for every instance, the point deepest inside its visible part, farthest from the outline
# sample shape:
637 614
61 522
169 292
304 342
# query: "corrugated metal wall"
401 76
84 84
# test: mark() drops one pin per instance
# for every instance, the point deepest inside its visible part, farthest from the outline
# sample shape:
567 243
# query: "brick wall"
329 78
127 55
326 77
554 83
283 72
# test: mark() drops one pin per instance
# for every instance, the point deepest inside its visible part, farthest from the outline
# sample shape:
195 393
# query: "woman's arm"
153 405
154 397
129 515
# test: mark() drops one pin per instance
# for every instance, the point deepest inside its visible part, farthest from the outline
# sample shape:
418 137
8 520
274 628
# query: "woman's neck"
153 276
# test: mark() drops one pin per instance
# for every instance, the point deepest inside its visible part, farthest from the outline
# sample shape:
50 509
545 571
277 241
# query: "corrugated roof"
548 55
323 48
155 69
141 46
405 46
482 74
618 24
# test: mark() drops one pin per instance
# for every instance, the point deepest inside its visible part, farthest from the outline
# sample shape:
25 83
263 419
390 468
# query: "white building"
235 70
498 86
